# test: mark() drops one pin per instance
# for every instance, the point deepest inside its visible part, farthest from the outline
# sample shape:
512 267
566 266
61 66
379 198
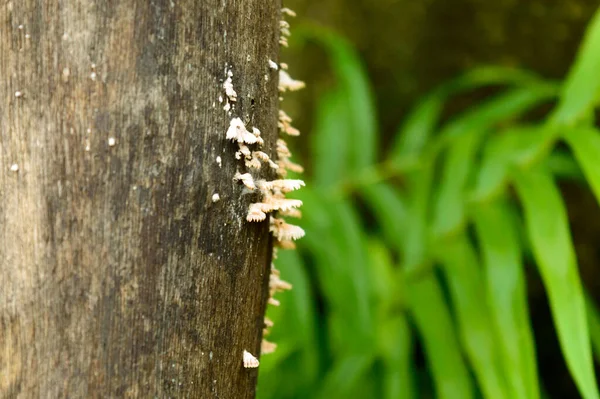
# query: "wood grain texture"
119 277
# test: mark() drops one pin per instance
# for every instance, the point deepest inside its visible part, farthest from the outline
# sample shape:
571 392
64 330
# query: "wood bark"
119 276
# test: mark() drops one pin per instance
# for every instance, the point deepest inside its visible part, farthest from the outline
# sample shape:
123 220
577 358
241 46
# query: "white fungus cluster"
272 192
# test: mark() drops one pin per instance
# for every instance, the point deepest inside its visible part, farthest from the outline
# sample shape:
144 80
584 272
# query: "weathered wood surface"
119 276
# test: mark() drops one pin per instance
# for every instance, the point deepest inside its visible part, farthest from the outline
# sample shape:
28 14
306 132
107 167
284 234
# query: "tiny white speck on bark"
112 141
18 94
14 167
216 197
219 162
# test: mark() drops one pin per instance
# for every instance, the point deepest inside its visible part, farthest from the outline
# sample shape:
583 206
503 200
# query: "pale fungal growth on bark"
286 244
277 285
18 94
255 213
291 213
112 141
283 185
259 139
268 322
244 150
253 163
272 192
287 11
267 347
283 160
228 86
284 231
219 161
273 301
245 178
14 167
285 124
237 131
250 362
287 83
216 197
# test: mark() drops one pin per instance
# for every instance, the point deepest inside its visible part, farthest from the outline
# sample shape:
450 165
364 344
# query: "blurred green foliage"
426 295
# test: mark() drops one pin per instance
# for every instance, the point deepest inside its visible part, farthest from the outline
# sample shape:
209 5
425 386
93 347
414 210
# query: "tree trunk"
119 275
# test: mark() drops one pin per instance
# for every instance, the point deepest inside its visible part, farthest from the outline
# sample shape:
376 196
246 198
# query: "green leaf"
345 376
505 283
434 323
594 323
352 81
331 151
417 128
422 120
478 337
449 210
585 144
580 91
389 207
548 231
516 146
415 244
335 238
502 108
396 348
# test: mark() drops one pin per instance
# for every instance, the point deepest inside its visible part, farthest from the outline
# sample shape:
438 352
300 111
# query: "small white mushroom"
287 83
250 362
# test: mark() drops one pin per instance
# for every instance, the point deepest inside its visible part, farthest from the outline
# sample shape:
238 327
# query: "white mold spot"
112 141
219 162
14 167
273 65
216 197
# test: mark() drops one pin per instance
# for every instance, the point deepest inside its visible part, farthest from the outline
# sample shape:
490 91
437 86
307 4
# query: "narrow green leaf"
422 120
585 144
504 107
505 283
434 323
449 209
515 146
335 238
581 89
345 375
389 207
415 244
352 80
548 231
396 348
417 128
593 315
330 151
477 333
